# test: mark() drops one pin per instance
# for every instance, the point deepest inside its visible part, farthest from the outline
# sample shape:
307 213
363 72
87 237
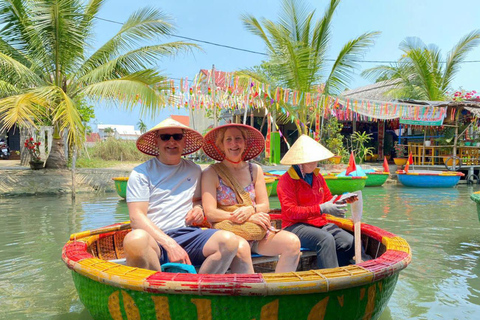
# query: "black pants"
334 246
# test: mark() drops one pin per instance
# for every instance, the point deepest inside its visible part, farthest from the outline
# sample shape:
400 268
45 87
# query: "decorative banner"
267 140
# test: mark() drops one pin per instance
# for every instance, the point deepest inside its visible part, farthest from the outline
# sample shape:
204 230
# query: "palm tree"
142 126
297 47
421 73
48 68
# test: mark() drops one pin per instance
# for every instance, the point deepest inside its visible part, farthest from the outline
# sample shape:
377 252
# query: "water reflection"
441 226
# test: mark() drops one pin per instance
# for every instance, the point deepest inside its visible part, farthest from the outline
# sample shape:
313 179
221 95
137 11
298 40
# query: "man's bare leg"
220 250
141 250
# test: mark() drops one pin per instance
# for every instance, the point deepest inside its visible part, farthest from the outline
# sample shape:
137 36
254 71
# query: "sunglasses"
176 136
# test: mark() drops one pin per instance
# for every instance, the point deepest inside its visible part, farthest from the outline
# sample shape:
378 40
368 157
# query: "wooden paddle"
88 233
357 210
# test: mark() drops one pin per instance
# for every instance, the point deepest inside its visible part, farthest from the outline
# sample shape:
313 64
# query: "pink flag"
386 168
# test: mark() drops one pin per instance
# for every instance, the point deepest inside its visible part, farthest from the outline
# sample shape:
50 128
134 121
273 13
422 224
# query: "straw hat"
147 142
255 143
306 150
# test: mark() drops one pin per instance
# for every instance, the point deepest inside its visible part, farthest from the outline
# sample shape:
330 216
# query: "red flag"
386 168
351 165
409 162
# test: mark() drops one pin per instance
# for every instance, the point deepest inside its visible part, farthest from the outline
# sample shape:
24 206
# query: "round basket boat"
429 179
270 182
376 179
277 174
121 186
110 290
476 198
339 185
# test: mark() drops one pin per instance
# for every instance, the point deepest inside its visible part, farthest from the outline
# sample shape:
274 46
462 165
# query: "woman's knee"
227 241
291 243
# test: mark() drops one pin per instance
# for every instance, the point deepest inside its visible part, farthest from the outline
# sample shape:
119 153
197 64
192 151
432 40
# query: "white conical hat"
147 142
306 150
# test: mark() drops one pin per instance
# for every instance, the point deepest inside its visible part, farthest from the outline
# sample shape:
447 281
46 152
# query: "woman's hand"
262 219
240 215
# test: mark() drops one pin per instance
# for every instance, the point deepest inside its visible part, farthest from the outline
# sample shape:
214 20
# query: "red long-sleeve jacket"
301 202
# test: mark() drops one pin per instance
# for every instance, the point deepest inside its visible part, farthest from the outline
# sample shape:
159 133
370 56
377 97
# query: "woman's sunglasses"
176 136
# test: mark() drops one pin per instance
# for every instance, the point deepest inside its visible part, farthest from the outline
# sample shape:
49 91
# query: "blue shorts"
192 240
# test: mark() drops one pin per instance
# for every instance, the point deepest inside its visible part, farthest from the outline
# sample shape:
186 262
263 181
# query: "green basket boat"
110 290
476 198
121 186
339 185
271 183
376 179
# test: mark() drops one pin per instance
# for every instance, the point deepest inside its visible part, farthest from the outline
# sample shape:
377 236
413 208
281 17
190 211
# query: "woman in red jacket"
305 199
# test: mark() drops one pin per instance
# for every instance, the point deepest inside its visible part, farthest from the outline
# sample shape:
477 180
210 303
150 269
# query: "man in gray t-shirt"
163 198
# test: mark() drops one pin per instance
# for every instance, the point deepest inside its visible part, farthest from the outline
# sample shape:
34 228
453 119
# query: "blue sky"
439 22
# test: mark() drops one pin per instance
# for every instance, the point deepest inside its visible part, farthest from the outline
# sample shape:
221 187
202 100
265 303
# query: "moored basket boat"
476 198
121 186
111 290
429 179
339 185
270 182
376 179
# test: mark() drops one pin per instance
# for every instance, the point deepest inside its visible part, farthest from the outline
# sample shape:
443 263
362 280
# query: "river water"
441 226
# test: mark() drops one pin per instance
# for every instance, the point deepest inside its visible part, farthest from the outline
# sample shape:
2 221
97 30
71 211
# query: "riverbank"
20 180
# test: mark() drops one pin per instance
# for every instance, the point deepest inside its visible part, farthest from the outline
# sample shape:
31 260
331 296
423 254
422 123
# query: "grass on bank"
114 152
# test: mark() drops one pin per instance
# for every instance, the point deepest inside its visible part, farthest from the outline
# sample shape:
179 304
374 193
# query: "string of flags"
231 92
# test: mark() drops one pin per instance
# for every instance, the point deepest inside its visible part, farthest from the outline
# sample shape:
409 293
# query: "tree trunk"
56 158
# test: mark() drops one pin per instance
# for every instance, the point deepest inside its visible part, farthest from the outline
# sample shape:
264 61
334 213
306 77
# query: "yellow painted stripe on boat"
323 279
113 273
396 243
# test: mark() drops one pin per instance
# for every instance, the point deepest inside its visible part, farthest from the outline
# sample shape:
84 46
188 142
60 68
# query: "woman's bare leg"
285 244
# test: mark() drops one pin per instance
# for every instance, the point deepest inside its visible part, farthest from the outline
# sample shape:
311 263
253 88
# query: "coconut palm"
142 126
297 46
421 72
47 67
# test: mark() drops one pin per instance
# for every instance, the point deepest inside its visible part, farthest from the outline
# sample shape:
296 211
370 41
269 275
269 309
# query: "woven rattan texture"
254 145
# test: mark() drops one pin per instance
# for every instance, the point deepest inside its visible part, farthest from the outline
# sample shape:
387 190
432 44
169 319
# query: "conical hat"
254 144
306 150
147 142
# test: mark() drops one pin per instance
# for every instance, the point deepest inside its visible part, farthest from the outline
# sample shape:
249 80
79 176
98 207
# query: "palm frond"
133 61
345 63
128 90
457 55
143 25
21 110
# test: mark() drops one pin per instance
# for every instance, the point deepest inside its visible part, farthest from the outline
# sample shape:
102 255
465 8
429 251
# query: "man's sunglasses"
176 136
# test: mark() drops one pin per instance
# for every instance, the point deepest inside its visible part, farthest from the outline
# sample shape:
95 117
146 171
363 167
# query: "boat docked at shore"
429 179
341 184
376 179
112 290
121 186
476 198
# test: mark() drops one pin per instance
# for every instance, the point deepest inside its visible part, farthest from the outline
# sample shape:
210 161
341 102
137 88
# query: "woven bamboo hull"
429 180
376 179
476 198
110 290
107 302
121 186
339 185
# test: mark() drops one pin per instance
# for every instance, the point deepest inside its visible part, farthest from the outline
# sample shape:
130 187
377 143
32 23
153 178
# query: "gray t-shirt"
169 190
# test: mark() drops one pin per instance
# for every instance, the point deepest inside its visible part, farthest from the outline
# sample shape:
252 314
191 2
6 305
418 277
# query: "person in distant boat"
163 198
305 199
235 190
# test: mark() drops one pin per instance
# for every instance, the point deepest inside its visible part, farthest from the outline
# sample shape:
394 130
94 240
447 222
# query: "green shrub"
116 149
